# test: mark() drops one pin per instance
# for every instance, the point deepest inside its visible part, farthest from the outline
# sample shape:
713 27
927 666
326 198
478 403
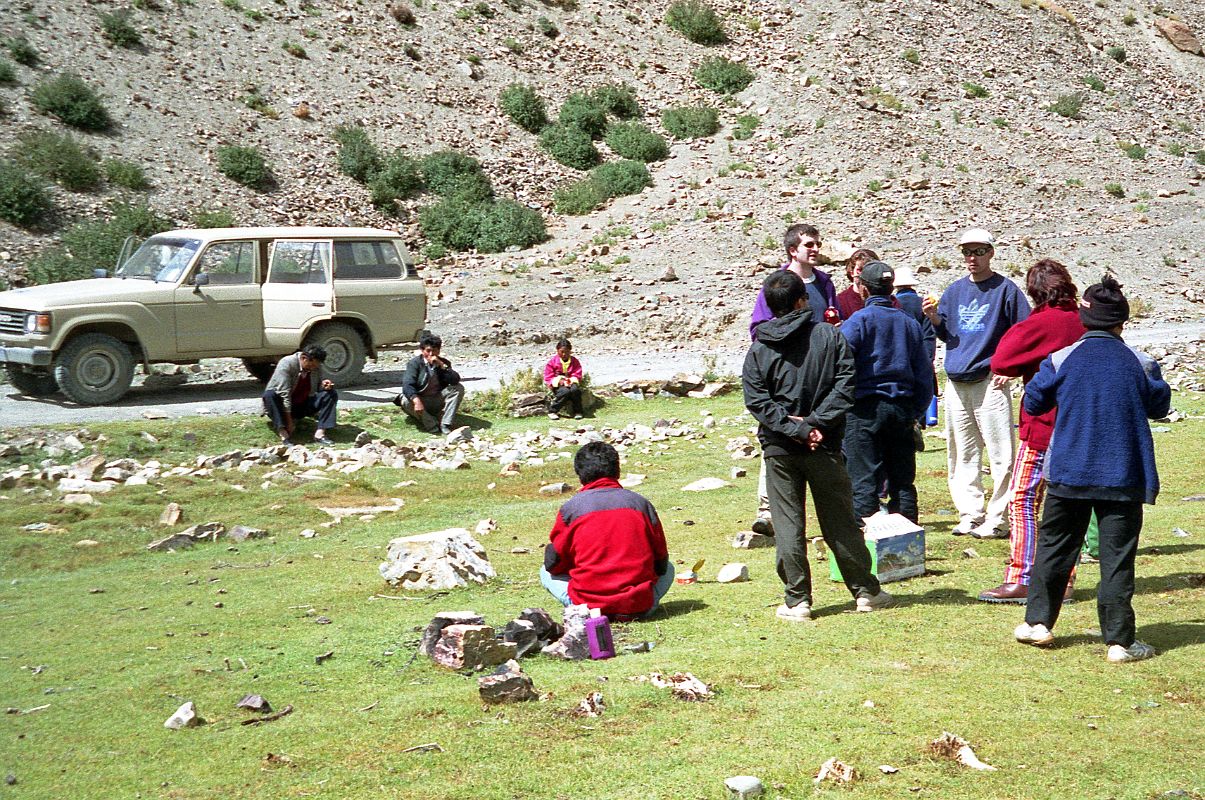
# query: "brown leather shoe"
1067 594
1006 593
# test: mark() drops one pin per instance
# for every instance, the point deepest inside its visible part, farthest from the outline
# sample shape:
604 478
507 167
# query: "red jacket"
555 368
1021 351
609 542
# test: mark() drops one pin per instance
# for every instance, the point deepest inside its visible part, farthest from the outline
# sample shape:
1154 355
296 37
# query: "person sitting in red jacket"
563 375
607 549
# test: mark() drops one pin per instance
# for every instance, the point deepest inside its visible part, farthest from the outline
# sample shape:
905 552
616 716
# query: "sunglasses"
976 251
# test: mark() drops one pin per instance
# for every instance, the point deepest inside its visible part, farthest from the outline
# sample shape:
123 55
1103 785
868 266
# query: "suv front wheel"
345 353
94 369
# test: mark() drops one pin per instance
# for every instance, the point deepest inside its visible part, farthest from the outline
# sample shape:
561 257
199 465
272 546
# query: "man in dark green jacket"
431 389
799 385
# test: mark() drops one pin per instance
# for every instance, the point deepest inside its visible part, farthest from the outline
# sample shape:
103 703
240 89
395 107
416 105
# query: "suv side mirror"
100 273
199 280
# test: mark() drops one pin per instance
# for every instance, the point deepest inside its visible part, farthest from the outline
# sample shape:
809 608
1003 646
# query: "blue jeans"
558 586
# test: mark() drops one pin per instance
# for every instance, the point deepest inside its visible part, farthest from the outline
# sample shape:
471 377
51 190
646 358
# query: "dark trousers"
878 443
787 478
321 406
566 394
1060 538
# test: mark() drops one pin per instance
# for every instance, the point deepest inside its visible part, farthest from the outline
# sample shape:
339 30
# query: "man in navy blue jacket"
1101 458
892 387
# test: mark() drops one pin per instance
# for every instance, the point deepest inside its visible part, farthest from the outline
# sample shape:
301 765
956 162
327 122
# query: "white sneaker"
964 526
553 415
799 613
880 600
1138 651
1037 635
984 532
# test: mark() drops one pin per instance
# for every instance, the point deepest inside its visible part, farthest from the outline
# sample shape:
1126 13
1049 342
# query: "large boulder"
441 560
1179 35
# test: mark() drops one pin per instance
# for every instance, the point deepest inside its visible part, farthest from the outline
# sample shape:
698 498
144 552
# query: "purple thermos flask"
598 635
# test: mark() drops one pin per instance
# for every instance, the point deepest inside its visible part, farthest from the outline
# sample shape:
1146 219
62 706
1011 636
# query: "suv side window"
299 262
229 263
365 261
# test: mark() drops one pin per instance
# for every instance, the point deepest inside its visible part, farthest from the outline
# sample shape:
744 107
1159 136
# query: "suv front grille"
12 321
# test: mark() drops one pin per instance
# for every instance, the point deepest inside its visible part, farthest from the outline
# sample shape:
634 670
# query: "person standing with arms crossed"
971 317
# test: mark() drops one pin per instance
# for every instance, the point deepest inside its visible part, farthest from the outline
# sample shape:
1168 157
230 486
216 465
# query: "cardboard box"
896 545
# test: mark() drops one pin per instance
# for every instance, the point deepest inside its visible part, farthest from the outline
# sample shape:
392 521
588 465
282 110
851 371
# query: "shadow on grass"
1169 549
1170 635
673 608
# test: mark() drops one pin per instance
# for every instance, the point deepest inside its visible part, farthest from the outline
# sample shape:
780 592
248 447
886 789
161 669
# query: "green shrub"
22 51
636 141
60 158
1134 151
1094 82
221 218
117 29
506 224
620 178
723 76
8 73
451 223
1200 157
690 122
485 10
442 168
570 146
580 111
358 157
94 245
1116 53
617 99
474 187
580 197
294 49
974 90
1115 190
545 26
524 107
696 21
1068 105
400 179
498 401
24 199
244 165
911 56
745 125
72 101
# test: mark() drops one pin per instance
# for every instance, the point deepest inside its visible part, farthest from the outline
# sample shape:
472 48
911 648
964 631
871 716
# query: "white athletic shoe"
1037 635
799 613
1138 651
880 600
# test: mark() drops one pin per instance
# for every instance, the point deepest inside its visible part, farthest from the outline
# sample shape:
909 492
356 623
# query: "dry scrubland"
108 640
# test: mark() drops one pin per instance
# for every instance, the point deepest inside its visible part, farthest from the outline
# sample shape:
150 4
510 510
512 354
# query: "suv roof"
206 234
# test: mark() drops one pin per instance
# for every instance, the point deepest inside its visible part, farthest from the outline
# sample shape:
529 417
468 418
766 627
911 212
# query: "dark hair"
1049 283
782 290
596 460
315 351
863 256
563 343
795 233
428 339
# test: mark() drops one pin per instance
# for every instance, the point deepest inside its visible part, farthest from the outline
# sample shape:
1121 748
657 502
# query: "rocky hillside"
887 124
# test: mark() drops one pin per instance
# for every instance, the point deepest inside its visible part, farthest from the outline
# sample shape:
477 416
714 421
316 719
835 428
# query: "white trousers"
978 417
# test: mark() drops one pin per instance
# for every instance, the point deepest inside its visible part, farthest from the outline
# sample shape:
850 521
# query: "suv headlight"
37 323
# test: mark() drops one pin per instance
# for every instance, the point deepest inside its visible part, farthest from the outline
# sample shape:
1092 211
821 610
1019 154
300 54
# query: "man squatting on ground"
1101 458
607 549
798 380
892 388
297 389
431 389
1053 325
970 318
802 243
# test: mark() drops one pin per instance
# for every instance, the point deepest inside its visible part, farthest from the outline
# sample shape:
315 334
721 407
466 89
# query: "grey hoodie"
798 368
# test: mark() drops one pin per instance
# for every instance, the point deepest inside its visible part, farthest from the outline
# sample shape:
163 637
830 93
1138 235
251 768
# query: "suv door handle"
318 305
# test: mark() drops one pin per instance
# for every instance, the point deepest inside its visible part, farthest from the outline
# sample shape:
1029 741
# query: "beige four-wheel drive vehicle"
251 293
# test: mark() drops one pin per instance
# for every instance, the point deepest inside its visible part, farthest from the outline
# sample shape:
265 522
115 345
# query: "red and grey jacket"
609 541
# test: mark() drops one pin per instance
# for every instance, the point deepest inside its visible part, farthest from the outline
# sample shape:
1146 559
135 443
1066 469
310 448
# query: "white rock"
462 434
556 488
445 559
748 540
185 717
631 481
732 573
737 472
79 499
485 526
706 485
744 787
308 533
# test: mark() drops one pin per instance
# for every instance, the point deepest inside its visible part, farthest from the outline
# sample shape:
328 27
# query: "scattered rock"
737 472
485 526
445 559
471 647
442 620
836 771
748 540
631 481
744 787
668 275
706 485
172 515
185 717
507 684
556 488
970 552
462 434
732 573
683 685
1179 35
887 769
241 533
955 747
254 702
79 499
207 531
592 705
154 413
572 644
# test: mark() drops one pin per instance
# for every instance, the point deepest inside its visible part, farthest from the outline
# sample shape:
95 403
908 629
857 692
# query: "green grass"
118 662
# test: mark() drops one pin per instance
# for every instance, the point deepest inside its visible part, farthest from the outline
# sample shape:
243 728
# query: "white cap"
977 236
904 277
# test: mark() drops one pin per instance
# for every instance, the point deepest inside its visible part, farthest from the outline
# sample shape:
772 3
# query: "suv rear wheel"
345 353
94 369
260 370
32 384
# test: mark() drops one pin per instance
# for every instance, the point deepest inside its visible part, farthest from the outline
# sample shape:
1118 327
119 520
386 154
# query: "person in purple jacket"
971 317
802 243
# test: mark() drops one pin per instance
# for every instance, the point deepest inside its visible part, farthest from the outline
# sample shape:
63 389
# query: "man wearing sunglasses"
971 317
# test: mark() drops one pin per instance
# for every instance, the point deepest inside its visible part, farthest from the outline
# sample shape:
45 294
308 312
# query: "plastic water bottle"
931 414
598 635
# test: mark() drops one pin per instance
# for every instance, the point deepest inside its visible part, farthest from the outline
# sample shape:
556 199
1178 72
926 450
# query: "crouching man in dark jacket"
431 389
799 385
297 389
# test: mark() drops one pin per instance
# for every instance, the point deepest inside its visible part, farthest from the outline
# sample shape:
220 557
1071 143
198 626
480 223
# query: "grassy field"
113 638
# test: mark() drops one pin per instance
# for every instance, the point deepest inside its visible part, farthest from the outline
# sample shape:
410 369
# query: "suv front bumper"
29 356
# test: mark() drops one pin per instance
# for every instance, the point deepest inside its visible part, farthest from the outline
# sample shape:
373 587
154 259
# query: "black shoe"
397 400
325 441
762 525
287 442
918 439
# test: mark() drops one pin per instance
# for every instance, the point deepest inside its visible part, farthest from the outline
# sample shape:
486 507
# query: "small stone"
10 779
471 647
87 543
485 526
185 717
556 488
443 619
572 645
507 684
706 485
241 533
668 275
970 552
254 702
631 481
732 573
172 515
79 499
744 787
154 413
748 540
308 533
462 434
737 472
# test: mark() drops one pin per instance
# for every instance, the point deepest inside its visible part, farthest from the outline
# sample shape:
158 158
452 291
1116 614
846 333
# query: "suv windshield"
160 259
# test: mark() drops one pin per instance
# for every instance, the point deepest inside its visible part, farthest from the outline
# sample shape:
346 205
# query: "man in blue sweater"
970 318
892 387
1101 458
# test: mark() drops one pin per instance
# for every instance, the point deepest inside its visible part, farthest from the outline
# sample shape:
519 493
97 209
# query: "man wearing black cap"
1101 458
892 387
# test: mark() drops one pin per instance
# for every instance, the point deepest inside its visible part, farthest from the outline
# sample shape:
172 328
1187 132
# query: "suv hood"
75 293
